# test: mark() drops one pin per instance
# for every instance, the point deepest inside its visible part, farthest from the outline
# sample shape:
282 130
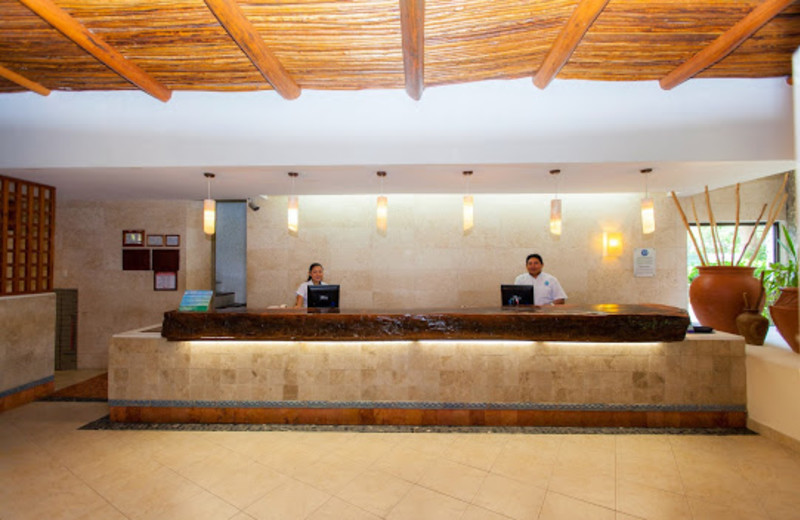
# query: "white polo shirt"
546 288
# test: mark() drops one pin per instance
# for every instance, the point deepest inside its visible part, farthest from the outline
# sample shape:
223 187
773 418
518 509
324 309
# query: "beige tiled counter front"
702 374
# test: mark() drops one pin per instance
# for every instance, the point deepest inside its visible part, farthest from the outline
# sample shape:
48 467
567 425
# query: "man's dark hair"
536 256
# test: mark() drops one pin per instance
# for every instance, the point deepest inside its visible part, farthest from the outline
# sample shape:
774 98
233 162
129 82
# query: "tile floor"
50 469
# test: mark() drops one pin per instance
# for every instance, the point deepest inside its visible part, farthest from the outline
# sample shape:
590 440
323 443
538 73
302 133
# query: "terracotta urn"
717 295
784 316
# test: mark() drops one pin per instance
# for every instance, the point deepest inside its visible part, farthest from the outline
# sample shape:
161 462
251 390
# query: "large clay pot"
716 295
784 316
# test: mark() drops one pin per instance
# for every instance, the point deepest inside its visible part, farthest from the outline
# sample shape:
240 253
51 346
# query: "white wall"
476 123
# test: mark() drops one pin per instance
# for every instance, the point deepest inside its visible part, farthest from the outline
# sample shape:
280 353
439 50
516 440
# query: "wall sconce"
468 206
209 209
382 212
612 244
293 212
555 208
648 211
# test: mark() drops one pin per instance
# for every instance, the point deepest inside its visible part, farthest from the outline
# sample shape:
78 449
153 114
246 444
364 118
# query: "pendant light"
555 208
648 211
382 209
293 212
209 209
468 206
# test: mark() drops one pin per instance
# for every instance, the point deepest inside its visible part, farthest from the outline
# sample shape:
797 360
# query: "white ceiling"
126 145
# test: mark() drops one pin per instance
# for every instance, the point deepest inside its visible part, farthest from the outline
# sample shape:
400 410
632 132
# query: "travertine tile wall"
27 339
89 258
701 370
425 260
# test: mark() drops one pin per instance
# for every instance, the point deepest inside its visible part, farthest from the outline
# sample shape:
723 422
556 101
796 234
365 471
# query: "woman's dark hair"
536 256
311 267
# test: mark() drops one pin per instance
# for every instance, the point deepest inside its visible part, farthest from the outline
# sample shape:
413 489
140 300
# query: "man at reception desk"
546 289
315 274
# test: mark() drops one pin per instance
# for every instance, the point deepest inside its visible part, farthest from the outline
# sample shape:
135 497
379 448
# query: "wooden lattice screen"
27 213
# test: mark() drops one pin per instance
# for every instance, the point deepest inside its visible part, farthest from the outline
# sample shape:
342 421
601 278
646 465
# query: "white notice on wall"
644 262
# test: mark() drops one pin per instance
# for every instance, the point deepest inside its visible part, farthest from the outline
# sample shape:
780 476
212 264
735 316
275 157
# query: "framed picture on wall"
133 238
172 240
165 281
155 240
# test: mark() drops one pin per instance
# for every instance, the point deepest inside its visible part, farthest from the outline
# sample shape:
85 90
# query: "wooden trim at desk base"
428 417
26 395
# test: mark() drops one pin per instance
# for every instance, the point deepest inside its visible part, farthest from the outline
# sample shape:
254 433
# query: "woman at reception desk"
315 274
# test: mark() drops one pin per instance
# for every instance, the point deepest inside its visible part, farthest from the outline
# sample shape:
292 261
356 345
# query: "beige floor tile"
649 463
243 487
453 479
338 509
579 480
291 500
404 462
203 506
625 516
430 443
651 503
474 512
702 510
139 494
478 451
510 497
530 464
560 507
330 474
425 504
375 491
364 450
781 505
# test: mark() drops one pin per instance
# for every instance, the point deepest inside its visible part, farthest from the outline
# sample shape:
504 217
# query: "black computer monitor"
320 296
517 294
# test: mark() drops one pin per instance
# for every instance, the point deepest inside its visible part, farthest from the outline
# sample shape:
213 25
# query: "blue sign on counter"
198 301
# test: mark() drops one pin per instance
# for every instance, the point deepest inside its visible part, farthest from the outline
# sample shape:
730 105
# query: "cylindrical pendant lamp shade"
209 216
293 214
382 213
469 215
648 216
555 216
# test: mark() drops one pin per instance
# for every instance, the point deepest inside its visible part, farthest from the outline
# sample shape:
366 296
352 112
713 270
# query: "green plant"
781 274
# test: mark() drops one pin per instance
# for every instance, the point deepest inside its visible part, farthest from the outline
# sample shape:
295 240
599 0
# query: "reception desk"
466 367
596 323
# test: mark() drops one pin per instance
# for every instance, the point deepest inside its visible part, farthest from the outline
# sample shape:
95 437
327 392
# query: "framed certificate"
172 240
165 281
155 240
133 238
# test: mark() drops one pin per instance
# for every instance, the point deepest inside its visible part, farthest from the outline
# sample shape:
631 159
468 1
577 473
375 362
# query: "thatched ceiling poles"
584 15
94 45
247 38
412 23
22 81
726 43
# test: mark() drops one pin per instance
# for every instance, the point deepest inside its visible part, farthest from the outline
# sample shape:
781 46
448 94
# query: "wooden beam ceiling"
97 47
246 36
22 81
726 43
412 23
584 15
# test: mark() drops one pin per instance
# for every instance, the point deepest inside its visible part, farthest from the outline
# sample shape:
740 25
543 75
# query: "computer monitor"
516 294
320 296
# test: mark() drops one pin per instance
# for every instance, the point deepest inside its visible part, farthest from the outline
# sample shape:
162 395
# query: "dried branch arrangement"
719 255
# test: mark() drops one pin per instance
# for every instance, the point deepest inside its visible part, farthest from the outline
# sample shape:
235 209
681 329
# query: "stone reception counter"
585 323
603 365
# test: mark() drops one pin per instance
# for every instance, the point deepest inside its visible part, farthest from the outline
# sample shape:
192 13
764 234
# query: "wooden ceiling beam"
412 24
584 15
94 45
22 81
246 36
725 44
